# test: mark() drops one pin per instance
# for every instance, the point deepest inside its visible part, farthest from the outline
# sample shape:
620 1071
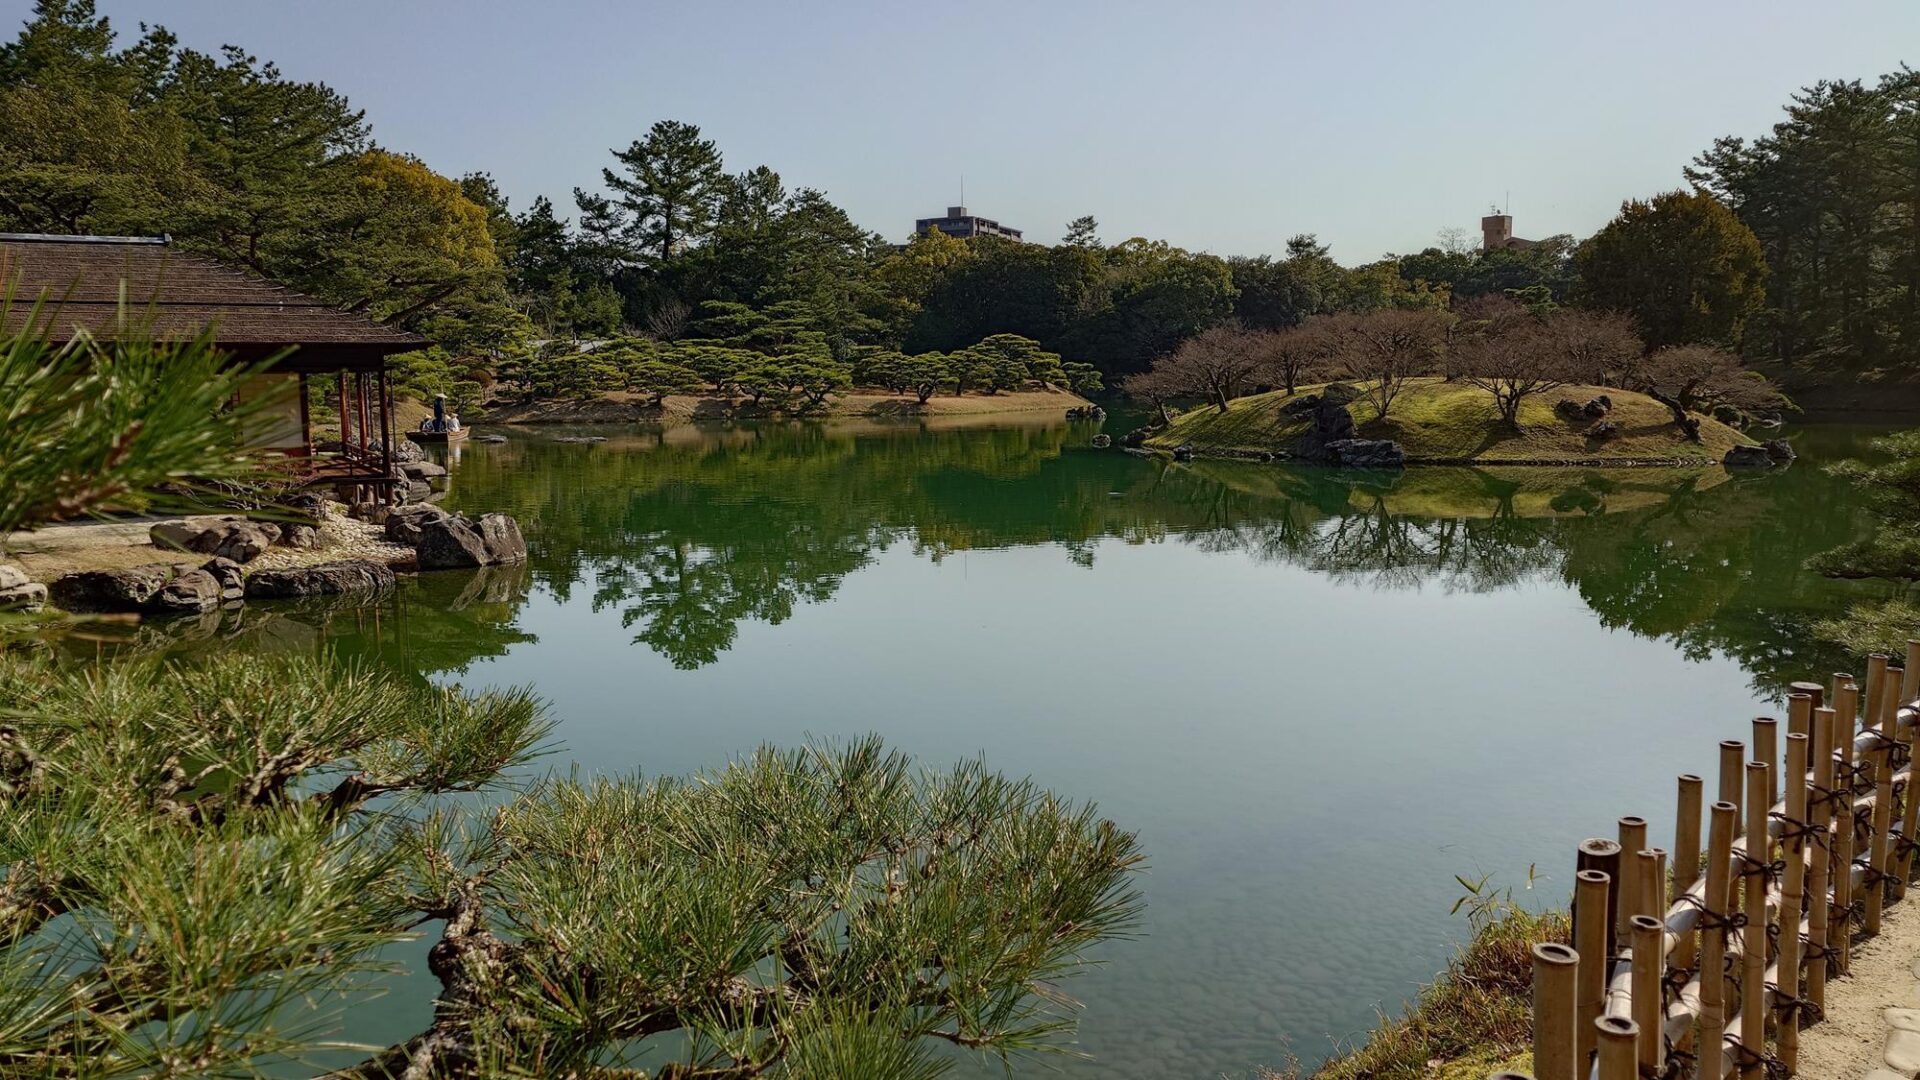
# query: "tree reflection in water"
689 532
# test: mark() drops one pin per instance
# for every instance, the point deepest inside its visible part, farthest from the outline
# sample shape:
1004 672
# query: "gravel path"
1872 1028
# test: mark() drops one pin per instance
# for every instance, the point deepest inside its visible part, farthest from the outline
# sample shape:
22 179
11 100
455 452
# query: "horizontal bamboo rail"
1806 843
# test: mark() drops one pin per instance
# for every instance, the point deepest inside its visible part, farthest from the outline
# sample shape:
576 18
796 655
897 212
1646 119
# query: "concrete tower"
1496 232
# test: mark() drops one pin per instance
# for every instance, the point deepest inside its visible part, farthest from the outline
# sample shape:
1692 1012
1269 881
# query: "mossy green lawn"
1435 420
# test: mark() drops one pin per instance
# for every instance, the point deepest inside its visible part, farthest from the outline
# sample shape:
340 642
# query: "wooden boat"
438 438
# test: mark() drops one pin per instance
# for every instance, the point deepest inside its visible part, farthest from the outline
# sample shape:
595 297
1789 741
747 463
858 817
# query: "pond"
1317 696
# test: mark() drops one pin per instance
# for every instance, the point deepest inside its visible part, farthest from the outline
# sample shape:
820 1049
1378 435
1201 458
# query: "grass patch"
1434 420
1475 1019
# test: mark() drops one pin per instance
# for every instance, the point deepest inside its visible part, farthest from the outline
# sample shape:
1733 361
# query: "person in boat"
439 420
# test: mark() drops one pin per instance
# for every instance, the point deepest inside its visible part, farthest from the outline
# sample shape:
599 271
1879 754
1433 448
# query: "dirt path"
1853 1041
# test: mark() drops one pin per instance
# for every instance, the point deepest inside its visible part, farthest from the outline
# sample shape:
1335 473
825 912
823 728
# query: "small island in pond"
1435 421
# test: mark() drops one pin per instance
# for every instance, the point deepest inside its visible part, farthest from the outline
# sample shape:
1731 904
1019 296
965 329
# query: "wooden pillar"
386 433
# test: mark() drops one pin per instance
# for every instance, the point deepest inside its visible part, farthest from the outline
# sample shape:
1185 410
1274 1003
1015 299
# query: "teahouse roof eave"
100 283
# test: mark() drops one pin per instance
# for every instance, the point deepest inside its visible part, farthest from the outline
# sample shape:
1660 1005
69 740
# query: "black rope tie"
1768 871
1791 830
1792 1009
1819 952
1748 1059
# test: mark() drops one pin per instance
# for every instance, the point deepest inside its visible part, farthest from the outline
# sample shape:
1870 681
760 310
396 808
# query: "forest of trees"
1799 250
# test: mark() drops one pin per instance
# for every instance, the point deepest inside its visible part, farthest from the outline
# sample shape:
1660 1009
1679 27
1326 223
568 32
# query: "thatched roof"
170 293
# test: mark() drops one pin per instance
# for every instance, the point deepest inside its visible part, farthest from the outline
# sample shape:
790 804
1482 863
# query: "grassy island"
1440 422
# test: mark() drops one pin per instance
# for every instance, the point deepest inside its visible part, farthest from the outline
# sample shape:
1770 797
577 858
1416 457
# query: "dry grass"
1476 1018
1434 420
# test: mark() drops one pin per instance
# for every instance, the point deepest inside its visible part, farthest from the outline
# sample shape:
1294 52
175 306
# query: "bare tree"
1599 347
1699 378
1215 364
1385 348
1510 356
1288 358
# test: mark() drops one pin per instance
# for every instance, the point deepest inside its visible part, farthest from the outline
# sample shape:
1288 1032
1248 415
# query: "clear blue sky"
1220 126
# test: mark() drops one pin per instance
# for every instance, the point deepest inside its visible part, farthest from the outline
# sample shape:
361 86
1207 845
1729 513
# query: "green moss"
1434 420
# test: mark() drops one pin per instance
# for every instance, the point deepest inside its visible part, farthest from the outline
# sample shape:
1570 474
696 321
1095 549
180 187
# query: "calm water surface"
1317 696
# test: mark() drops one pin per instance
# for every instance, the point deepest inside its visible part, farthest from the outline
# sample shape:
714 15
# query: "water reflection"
689 533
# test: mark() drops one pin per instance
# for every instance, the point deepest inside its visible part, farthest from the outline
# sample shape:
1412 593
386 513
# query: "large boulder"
502 536
1747 457
404 522
404 450
353 575
143 589
1332 423
450 543
296 535
1339 394
1367 453
423 470
227 535
1779 450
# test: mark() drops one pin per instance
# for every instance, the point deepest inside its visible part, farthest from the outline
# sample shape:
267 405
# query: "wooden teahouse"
101 283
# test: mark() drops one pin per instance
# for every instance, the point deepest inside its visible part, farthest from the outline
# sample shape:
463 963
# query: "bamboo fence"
1805 845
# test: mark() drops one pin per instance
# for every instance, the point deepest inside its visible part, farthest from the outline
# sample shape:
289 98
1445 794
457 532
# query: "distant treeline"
1815 270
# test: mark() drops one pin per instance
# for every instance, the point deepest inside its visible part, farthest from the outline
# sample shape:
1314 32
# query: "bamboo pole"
1766 750
1792 895
1591 926
1686 857
1713 936
1876 687
1890 703
1733 755
1882 822
1649 964
1753 941
1846 702
1910 796
1630 894
1554 1040
1816 697
1617 1037
1599 853
1910 673
1818 908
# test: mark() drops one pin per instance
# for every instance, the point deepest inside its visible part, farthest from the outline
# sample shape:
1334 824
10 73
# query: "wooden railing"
1708 967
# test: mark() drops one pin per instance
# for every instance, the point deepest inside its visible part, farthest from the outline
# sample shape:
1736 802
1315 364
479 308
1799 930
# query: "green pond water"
1317 696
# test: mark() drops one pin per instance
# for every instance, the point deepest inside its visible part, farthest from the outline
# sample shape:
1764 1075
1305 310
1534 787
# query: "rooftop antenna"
963 189
1509 207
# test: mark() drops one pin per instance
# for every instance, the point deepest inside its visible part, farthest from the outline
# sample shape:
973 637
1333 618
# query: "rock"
1597 408
1604 430
490 438
1729 415
1747 457
416 490
1780 451
299 536
352 575
403 523
1183 452
1101 442
1339 394
404 450
1367 453
423 470
502 535
154 589
182 534
227 573
1902 1052
1332 423
581 438
1136 437
450 543
1568 409
194 590
307 508
12 577
24 596
1305 403
242 542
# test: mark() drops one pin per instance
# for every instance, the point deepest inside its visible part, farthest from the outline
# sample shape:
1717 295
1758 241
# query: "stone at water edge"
450 543
1779 450
232 580
352 575
490 438
1367 453
403 523
18 592
305 537
153 589
502 536
1183 452
423 470
1747 457
1101 442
